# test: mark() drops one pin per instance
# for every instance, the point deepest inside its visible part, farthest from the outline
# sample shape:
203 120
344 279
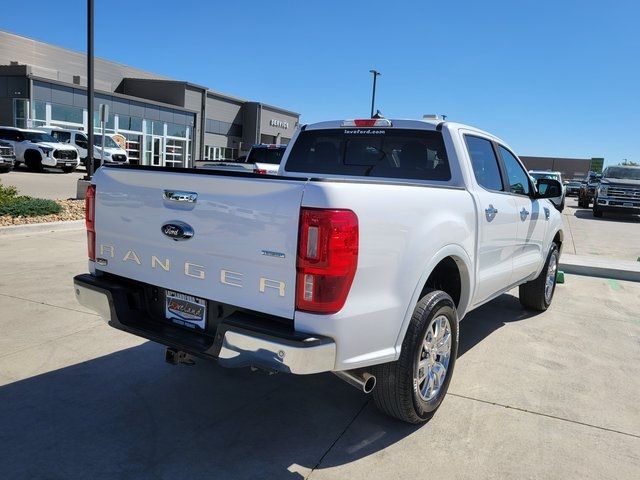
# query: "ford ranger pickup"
360 257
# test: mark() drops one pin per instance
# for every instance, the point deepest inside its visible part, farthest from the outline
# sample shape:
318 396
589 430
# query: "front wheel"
597 212
34 161
413 387
537 294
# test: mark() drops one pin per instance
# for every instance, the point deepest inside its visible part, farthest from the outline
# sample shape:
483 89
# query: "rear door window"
376 152
485 163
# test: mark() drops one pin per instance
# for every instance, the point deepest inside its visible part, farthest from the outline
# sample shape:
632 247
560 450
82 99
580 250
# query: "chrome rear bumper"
240 340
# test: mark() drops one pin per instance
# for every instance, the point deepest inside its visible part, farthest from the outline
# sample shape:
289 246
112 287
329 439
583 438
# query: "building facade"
162 121
570 168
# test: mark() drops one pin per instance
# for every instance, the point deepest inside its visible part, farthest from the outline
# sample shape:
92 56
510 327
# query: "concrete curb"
600 267
42 227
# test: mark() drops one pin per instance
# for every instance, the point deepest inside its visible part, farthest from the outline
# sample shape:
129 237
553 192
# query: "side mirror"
548 188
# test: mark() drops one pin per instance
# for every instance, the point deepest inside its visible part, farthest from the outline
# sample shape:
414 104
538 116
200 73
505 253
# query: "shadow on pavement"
607 216
130 415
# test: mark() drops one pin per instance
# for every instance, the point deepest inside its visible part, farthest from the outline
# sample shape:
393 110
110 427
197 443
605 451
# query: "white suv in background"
38 149
112 151
558 201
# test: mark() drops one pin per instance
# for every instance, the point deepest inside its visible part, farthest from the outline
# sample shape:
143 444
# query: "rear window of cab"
371 152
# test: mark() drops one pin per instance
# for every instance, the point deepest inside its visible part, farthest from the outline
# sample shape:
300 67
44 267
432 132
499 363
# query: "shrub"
28 207
7 193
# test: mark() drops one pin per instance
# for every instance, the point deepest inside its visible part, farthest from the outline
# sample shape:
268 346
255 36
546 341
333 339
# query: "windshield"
376 152
272 155
626 173
108 142
552 176
37 137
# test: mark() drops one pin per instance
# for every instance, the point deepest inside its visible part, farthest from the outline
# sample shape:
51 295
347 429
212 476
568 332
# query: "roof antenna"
378 114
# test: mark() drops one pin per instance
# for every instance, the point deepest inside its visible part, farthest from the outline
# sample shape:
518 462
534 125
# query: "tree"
628 163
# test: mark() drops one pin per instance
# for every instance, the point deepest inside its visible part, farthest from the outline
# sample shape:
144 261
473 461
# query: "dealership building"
570 168
162 121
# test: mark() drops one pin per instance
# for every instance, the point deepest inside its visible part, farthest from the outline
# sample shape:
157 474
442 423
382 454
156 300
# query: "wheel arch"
442 263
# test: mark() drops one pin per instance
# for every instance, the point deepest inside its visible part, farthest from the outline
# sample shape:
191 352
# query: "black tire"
532 294
68 169
33 160
596 211
397 390
5 168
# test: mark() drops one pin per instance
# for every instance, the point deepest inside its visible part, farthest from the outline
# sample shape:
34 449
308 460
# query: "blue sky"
552 78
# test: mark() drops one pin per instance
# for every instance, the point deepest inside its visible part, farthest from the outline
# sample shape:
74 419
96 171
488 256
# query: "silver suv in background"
558 201
619 191
37 149
7 157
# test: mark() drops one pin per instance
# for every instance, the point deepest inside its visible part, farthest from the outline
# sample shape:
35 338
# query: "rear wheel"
413 387
537 294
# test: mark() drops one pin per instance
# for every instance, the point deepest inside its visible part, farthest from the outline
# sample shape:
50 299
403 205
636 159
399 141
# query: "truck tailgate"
245 230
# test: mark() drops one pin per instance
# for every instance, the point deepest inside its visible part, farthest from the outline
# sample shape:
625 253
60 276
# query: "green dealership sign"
596 165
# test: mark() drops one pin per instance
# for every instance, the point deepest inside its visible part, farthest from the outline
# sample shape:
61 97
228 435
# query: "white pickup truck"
359 258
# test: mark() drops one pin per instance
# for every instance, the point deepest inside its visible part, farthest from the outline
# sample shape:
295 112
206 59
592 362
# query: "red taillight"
90 219
327 259
259 171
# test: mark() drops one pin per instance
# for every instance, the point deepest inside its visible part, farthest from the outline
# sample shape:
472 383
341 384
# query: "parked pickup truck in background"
619 191
7 157
588 189
572 187
359 258
262 159
38 149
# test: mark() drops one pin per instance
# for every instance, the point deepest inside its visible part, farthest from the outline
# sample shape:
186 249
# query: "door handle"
490 212
524 213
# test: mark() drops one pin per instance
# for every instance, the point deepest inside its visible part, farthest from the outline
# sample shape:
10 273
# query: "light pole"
90 89
373 96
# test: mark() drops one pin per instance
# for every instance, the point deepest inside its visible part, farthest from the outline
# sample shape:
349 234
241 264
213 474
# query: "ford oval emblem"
177 231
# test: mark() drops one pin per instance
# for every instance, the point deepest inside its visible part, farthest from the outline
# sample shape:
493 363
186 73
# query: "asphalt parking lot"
613 235
52 183
553 395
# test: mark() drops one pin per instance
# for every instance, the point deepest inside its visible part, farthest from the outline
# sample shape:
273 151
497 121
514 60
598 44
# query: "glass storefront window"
158 128
175 151
96 121
147 151
175 130
133 147
39 110
20 107
126 122
66 113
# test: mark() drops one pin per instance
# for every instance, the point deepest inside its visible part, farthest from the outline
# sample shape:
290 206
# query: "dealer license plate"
67 164
627 204
186 310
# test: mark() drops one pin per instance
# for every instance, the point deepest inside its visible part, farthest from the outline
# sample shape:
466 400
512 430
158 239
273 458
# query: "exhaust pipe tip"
369 383
363 381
